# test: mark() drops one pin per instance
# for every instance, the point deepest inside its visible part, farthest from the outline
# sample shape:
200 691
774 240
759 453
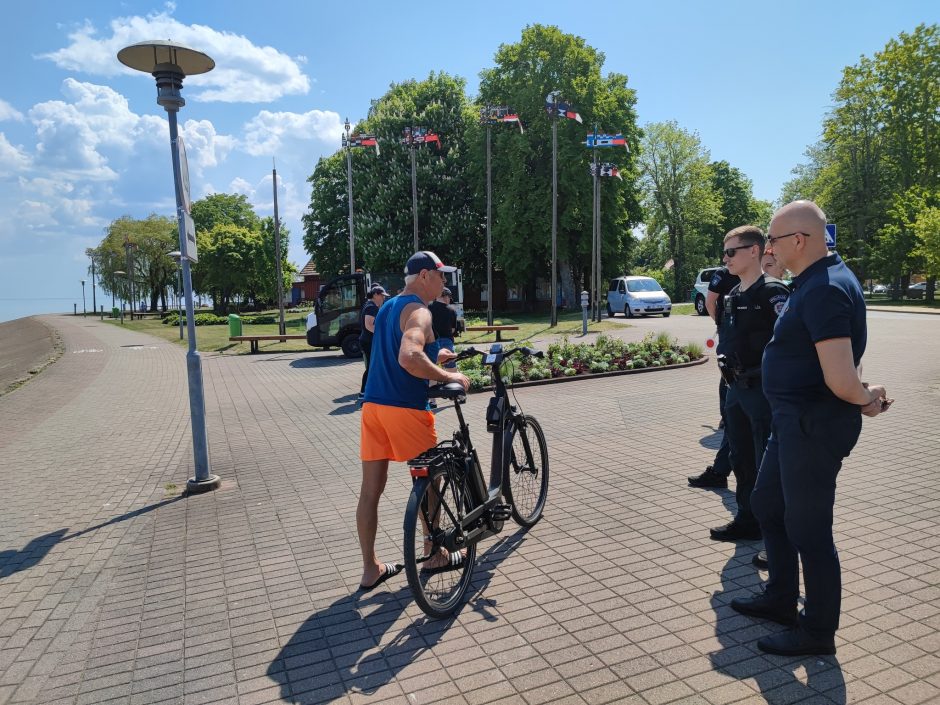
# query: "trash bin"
115 312
234 325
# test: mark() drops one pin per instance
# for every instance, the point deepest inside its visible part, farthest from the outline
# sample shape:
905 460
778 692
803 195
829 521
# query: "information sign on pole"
189 243
831 236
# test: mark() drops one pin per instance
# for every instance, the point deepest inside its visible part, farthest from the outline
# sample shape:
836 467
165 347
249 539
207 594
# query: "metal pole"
598 289
349 191
414 185
554 317
130 288
489 232
282 327
83 298
168 84
94 303
593 287
179 294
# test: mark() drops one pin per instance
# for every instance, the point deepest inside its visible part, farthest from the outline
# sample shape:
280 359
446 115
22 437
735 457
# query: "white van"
637 296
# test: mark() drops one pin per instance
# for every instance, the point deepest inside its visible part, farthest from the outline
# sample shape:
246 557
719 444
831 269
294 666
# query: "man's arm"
711 303
411 356
369 323
841 375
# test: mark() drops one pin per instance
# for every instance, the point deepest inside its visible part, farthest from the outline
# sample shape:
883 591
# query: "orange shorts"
395 433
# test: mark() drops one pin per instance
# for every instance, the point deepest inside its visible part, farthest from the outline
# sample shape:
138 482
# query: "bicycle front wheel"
525 473
438 577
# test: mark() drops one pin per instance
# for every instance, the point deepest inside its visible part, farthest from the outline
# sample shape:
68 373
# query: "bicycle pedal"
501 512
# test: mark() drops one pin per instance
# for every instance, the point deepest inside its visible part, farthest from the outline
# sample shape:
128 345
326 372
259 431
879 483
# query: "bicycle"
452 509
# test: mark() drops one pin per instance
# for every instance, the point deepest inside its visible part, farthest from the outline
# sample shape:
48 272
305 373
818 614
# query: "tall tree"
546 59
738 205
224 209
681 203
264 288
450 222
227 259
152 270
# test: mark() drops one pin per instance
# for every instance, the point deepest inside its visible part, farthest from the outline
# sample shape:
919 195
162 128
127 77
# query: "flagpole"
489 234
597 290
282 329
414 185
554 317
594 226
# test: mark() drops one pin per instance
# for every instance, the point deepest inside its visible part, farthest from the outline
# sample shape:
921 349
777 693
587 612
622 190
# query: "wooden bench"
489 329
253 339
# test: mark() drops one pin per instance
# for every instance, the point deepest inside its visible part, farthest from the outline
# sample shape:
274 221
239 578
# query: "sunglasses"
732 251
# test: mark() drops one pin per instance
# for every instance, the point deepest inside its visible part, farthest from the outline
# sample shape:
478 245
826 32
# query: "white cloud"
8 112
266 132
239 185
204 146
70 134
12 158
244 72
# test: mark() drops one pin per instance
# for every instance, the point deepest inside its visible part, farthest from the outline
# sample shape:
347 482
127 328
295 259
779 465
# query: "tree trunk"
569 292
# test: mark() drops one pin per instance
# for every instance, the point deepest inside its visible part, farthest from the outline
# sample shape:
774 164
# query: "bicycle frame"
500 416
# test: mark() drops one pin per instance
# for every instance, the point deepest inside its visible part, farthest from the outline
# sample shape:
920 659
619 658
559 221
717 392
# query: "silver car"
637 296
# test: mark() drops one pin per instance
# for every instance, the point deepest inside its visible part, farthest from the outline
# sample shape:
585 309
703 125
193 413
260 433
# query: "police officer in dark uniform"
811 379
716 474
751 310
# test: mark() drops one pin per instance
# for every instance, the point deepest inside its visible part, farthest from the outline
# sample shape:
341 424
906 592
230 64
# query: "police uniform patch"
779 302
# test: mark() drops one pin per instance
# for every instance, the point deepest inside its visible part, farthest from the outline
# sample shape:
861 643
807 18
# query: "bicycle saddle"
452 390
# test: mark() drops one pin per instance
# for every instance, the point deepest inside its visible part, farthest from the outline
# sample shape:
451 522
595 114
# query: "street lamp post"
83 298
177 257
169 64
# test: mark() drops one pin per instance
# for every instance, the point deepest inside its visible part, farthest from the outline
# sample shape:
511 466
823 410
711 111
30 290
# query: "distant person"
370 309
444 323
811 379
771 266
396 423
716 475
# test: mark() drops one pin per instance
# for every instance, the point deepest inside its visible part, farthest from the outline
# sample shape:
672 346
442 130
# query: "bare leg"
374 477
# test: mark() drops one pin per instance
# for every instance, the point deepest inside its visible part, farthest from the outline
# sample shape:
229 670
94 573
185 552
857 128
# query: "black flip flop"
391 570
455 561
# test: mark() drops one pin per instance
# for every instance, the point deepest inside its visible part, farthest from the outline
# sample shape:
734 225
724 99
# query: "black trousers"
793 501
722 463
747 426
366 352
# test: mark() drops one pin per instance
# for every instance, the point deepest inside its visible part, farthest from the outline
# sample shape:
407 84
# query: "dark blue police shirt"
826 303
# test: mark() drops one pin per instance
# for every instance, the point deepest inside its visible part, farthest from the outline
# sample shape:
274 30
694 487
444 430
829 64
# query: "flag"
606 169
563 108
617 140
419 135
491 114
362 141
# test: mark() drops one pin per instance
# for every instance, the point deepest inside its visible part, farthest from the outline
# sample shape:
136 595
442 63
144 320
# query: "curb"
904 309
598 375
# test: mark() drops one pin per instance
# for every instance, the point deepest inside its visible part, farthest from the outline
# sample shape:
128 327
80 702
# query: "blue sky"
82 140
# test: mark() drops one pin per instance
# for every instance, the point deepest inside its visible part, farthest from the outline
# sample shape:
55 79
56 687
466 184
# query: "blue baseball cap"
420 261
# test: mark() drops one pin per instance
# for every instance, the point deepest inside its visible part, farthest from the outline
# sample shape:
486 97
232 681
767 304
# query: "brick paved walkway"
113 589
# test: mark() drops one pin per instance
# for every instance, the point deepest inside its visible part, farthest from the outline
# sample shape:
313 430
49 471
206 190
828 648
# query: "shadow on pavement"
342 649
712 441
12 560
779 679
315 362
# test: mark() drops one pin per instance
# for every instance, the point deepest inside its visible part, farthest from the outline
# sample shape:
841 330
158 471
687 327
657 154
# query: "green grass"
533 325
883 300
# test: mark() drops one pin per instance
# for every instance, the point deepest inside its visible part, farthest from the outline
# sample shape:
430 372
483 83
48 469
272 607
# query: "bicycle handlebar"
526 351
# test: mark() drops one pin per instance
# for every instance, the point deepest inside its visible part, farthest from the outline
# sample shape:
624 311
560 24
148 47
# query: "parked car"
637 296
879 289
700 289
917 291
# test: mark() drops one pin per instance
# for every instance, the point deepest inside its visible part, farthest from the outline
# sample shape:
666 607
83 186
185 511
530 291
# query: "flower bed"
606 355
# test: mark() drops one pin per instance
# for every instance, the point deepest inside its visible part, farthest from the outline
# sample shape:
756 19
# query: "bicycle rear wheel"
525 473
434 510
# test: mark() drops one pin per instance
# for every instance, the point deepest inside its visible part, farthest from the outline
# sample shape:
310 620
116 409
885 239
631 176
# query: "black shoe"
736 531
760 560
797 642
709 478
764 608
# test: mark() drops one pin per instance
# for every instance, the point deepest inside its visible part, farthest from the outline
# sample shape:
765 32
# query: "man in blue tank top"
396 423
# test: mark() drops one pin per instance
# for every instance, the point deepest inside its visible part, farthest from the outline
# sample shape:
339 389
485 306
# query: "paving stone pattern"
115 589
